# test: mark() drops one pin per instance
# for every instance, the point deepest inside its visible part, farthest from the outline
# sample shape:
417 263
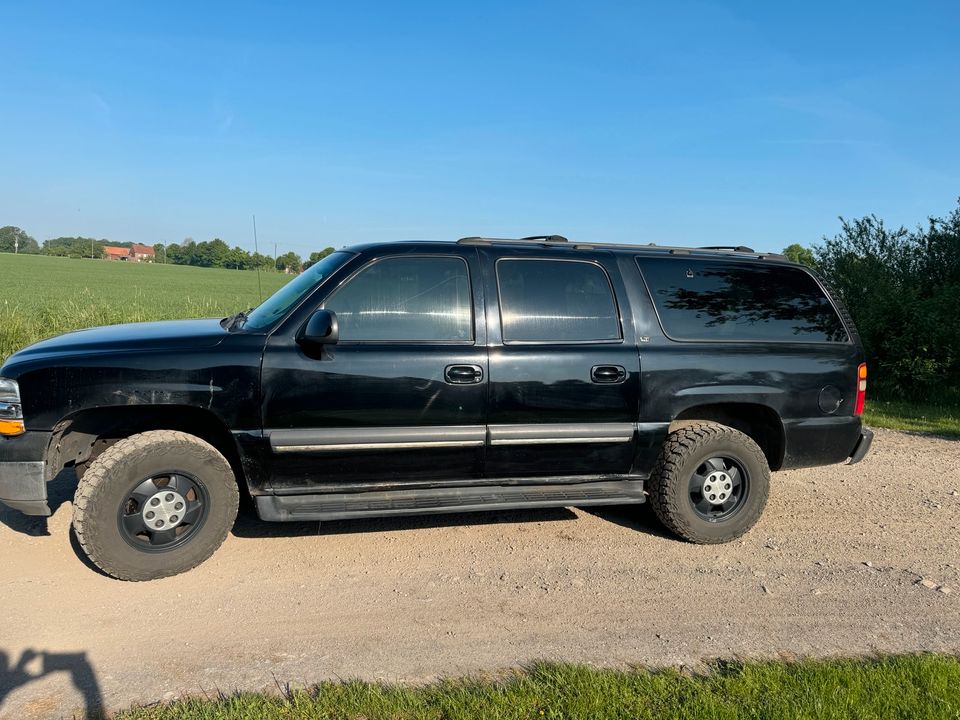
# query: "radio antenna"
256 250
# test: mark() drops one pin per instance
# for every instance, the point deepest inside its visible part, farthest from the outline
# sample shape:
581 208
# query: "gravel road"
845 560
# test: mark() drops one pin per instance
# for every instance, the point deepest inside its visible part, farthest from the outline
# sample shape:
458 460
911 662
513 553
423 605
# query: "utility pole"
16 245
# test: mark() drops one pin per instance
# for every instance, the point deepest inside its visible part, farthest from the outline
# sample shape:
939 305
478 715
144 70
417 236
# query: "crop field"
43 296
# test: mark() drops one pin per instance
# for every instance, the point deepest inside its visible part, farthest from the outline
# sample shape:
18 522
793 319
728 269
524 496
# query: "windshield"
276 306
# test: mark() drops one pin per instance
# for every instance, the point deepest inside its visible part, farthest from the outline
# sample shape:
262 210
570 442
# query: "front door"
400 398
564 369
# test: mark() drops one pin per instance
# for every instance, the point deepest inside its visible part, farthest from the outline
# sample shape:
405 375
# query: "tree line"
213 253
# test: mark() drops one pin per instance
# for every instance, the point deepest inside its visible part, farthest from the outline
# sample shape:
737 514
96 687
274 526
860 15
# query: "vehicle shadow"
634 517
248 525
33 665
59 490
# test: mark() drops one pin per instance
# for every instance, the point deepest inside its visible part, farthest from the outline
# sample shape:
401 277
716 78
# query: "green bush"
902 288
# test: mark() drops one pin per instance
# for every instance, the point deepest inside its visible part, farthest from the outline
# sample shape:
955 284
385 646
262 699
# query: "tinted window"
708 300
406 299
555 301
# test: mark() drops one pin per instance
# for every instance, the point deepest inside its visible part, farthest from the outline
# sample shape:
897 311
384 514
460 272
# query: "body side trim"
560 433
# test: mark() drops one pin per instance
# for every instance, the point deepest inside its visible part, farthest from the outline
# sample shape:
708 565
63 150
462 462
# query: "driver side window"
406 299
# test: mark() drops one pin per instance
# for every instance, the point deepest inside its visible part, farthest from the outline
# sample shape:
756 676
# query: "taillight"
861 389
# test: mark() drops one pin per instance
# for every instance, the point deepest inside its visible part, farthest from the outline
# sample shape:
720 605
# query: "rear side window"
406 299
556 301
720 300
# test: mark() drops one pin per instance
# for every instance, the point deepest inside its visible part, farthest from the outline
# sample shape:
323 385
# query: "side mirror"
321 329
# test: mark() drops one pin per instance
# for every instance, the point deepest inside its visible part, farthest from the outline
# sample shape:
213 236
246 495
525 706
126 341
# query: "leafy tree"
75 247
289 262
13 239
316 257
262 262
239 259
215 253
799 254
902 288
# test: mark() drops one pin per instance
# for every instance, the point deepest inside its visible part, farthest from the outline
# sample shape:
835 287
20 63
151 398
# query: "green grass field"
911 687
939 419
43 296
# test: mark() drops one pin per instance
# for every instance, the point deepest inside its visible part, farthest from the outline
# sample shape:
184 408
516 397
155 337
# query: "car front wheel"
155 504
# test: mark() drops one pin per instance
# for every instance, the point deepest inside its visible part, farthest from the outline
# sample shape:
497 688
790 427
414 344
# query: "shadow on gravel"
33 665
59 491
248 525
634 517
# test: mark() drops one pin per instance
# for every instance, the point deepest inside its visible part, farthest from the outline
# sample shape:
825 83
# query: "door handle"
463 374
608 374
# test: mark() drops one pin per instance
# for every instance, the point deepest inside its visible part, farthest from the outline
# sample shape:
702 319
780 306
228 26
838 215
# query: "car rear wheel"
710 484
155 504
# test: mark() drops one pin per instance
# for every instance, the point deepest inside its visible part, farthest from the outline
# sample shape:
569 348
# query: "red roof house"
141 252
137 253
116 253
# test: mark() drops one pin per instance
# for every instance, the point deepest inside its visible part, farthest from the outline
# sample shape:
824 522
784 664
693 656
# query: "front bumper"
23 487
863 446
23 479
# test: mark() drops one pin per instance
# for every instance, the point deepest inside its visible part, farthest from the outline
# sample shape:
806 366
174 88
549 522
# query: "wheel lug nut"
173 519
169 497
178 506
159 523
150 515
155 502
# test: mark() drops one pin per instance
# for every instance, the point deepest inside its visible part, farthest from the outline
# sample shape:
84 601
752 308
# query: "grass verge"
914 416
916 687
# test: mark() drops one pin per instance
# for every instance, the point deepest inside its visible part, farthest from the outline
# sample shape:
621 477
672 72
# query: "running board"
342 506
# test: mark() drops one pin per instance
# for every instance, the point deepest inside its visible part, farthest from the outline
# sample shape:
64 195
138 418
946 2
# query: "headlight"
11 413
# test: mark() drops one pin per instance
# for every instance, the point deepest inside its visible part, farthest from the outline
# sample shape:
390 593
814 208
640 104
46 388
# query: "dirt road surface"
834 567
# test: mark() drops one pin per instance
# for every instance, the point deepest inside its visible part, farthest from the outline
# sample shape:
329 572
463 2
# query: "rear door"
564 368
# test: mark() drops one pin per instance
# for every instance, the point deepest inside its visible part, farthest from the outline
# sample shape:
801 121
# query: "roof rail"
560 241
534 239
548 238
735 248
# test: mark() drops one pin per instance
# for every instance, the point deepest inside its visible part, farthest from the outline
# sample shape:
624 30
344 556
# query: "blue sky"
681 122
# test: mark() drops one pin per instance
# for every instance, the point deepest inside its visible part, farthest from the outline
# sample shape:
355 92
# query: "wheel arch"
80 437
761 423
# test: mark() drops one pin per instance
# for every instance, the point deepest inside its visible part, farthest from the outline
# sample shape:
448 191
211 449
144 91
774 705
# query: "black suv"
415 377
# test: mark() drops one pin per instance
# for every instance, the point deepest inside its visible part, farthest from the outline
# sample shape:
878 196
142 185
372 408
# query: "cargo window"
557 301
406 299
736 301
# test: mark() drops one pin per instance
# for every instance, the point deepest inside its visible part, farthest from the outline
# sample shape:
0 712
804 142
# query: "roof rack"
735 248
532 239
559 240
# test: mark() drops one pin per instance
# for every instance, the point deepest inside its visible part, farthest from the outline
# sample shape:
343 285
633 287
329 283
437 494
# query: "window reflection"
556 301
416 299
713 300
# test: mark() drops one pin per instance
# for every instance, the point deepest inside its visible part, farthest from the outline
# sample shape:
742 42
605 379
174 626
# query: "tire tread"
668 486
100 473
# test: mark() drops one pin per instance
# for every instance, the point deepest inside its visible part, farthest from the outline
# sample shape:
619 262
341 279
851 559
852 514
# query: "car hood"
164 335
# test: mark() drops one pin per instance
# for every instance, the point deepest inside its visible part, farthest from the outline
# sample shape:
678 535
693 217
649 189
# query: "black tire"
684 456
104 494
